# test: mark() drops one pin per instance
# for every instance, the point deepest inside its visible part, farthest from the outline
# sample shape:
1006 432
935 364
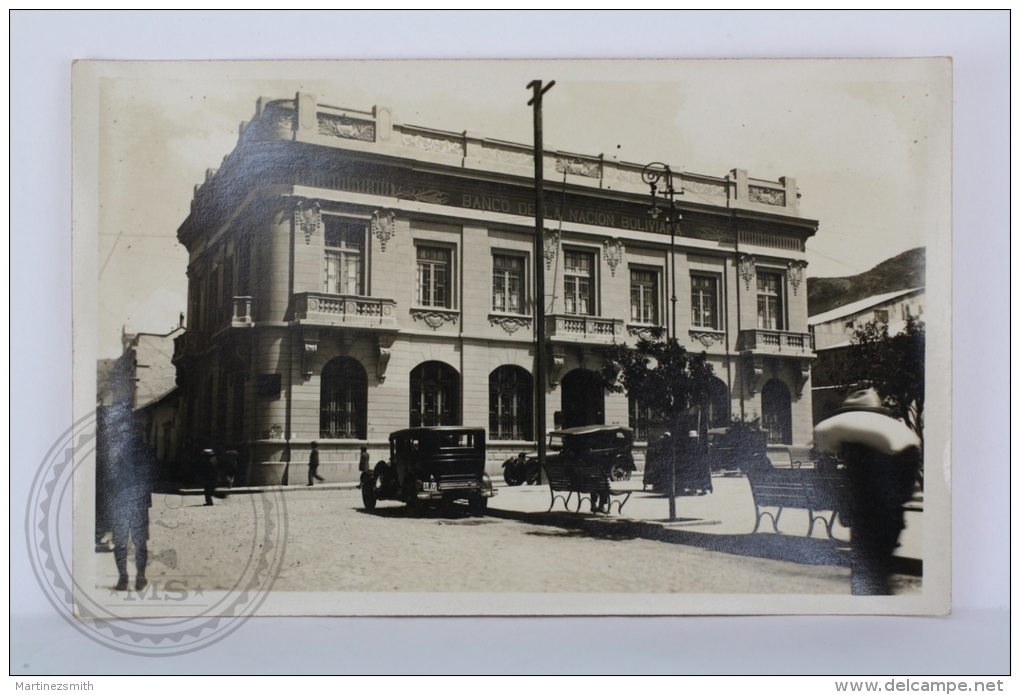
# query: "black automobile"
609 445
432 465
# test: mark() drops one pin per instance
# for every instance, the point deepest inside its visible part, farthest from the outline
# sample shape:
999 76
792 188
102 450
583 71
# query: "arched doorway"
583 399
716 410
776 415
435 395
510 397
343 400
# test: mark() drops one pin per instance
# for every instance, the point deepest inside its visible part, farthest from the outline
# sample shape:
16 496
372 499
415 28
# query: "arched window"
343 399
435 395
717 409
776 414
510 396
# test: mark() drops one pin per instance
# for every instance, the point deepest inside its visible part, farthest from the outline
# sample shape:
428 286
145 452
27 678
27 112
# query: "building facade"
350 275
832 332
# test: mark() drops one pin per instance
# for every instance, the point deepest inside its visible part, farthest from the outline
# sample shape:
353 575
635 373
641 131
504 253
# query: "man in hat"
882 456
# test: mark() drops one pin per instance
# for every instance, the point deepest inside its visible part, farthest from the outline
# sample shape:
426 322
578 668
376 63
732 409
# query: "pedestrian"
132 477
313 465
210 474
364 462
882 456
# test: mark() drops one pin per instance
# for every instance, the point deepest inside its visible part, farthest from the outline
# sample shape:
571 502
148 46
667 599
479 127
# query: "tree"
892 364
659 373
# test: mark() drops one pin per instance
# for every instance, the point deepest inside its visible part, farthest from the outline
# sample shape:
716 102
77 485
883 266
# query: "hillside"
902 272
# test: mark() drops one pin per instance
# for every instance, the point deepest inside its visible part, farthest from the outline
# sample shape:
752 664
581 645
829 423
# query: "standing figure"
882 456
210 474
313 465
132 477
364 463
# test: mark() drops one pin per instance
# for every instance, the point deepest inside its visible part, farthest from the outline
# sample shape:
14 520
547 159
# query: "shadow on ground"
772 546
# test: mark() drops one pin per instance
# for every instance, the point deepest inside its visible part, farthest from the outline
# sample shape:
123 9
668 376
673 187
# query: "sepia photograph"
604 337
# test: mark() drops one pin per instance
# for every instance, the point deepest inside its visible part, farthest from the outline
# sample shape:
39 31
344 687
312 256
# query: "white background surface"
974 639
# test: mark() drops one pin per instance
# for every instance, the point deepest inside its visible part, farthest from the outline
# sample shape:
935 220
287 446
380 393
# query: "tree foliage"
659 373
892 364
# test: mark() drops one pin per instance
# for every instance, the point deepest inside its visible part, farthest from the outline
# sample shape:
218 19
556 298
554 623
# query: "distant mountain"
902 272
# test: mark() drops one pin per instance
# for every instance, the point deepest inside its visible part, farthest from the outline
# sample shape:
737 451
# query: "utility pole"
536 102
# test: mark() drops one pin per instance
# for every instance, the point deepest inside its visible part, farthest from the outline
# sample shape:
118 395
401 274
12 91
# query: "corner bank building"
350 276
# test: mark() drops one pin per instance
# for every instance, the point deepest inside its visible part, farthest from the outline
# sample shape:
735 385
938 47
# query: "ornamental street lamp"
654 174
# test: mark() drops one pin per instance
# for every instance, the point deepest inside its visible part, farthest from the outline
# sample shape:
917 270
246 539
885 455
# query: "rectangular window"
507 284
578 283
644 296
433 281
882 315
345 247
770 301
704 302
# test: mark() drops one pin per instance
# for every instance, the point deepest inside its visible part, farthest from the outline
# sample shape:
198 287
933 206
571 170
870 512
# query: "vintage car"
432 465
610 445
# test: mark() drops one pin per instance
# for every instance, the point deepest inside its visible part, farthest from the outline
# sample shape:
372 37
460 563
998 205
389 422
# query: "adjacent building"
832 332
350 275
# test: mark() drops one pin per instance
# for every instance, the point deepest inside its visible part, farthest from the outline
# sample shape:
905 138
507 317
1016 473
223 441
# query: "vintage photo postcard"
509 338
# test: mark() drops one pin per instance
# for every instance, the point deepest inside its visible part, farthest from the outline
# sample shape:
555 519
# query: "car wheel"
513 475
368 490
477 505
619 471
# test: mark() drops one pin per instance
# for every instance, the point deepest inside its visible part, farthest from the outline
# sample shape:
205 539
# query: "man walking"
313 465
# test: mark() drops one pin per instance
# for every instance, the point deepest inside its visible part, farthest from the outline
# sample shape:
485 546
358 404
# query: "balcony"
570 328
767 342
188 344
342 310
242 313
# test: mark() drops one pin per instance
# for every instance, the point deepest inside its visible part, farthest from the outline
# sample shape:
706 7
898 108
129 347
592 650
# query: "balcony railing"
583 329
242 313
323 309
775 342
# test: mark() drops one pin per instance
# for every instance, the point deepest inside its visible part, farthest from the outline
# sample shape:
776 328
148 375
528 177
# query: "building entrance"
583 399
776 416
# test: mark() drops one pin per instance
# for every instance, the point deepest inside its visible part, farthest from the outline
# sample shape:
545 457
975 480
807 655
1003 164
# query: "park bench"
812 489
582 478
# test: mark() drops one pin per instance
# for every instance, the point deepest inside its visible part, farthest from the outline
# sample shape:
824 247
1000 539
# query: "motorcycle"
521 469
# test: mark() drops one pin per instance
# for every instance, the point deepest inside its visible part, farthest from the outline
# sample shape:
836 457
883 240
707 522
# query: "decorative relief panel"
642 332
795 274
766 196
434 144
707 338
383 227
434 317
710 233
580 167
510 324
309 218
633 176
420 195
612 252
705 188
348 128
508 156
551 243
746 269
385 347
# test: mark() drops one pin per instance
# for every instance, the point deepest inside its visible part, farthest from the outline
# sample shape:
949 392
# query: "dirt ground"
333 544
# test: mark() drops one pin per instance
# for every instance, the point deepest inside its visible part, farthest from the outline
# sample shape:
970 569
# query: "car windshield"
556 441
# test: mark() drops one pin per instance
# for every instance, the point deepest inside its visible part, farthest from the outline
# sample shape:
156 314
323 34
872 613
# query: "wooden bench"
794 488
581 479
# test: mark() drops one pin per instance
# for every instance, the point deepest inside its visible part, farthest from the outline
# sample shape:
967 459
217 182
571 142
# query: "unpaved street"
333 544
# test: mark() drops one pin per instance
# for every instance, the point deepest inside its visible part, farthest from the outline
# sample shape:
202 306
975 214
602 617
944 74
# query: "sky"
862 139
